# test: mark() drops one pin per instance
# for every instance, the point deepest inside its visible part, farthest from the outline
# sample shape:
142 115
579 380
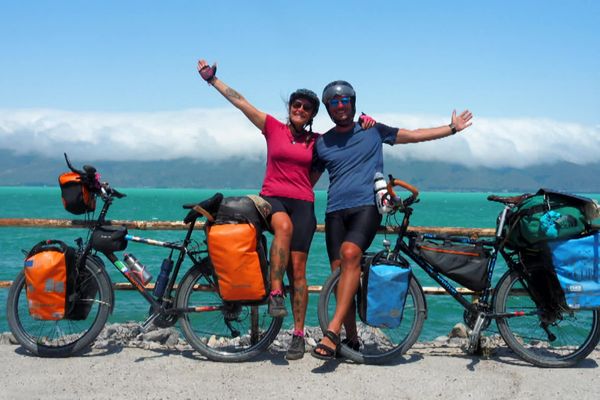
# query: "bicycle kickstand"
475 334
148 322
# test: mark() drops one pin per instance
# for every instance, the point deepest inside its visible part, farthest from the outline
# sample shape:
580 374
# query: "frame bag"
236 247
382 293
49 275
464 263
108 238
575 263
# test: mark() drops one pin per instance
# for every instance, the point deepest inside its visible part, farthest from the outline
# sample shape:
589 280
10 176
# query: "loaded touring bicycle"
546 305
60 302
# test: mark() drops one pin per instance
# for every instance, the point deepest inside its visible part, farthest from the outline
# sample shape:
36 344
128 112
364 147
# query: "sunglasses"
296 105
336 102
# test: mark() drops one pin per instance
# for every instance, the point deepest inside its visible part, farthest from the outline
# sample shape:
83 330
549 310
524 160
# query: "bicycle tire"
387 344
208 332
577 332
61 338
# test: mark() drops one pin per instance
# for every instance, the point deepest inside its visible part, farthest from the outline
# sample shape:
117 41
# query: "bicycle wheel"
64 337
546 339
379 345
222 331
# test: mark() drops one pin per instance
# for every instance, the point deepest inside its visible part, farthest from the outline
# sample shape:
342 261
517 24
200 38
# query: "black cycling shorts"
302 214
357 225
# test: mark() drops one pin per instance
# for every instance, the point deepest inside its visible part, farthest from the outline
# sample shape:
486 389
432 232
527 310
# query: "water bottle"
381 194
163 278
139 272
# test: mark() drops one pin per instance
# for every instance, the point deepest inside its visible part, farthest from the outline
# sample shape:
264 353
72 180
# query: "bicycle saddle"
207 208
510 199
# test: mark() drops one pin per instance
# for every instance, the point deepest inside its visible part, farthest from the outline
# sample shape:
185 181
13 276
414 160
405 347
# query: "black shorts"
357 225
302 214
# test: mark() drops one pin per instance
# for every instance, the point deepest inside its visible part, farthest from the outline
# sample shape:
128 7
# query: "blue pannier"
382 294
575 262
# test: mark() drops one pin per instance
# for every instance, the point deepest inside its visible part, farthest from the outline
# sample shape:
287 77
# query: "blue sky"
516 64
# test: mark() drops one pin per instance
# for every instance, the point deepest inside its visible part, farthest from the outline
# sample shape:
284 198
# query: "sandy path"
424 373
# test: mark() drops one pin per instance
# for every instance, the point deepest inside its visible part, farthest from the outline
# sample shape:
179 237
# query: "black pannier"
108 238
464 263
541 280
83 296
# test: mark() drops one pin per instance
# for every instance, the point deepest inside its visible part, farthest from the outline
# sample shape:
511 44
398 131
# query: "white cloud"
224 133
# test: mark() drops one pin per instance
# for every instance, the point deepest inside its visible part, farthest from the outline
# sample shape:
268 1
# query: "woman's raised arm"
255 116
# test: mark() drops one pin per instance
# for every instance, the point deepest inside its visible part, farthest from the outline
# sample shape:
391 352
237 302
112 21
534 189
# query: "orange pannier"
238 263
47 271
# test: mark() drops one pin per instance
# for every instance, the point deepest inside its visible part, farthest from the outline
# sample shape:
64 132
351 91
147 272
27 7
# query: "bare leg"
348 284
280 248
297 278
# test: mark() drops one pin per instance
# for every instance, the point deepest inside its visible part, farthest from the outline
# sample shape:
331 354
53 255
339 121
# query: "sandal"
328 352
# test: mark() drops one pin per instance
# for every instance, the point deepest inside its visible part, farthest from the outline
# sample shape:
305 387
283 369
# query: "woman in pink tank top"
288 187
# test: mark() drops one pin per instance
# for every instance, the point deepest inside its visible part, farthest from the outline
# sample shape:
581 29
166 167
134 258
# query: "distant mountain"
246 174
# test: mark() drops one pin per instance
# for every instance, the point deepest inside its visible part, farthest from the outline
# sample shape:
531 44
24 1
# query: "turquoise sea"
434 209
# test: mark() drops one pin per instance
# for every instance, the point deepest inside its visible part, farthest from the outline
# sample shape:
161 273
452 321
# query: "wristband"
452 128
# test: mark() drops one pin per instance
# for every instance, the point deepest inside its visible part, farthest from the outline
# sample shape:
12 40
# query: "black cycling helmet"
308 95
339 88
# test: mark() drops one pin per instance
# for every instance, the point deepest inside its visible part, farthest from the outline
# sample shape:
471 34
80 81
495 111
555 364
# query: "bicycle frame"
159 306
495 245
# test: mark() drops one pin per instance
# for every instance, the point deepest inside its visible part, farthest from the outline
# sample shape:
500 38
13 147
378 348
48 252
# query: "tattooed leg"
282 226
300 288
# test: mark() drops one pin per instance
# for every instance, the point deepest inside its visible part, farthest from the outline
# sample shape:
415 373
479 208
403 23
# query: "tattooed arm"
255 116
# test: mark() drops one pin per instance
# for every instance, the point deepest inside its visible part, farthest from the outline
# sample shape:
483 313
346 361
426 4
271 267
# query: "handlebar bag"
382 294
76 196
236 247
464 264
548 215
109 239
49 276
576 265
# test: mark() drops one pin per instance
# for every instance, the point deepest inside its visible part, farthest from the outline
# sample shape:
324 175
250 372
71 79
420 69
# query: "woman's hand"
366 121
207 72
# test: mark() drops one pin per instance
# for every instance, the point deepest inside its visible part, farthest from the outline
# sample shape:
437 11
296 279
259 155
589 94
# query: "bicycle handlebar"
91 179
396 200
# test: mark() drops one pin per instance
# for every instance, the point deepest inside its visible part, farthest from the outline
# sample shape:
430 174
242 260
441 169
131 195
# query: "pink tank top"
288 163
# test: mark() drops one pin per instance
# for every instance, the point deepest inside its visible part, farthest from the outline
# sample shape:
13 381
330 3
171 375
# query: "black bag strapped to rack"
548 215
464 263
382 293
237 250
76 196
109 239
49 277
